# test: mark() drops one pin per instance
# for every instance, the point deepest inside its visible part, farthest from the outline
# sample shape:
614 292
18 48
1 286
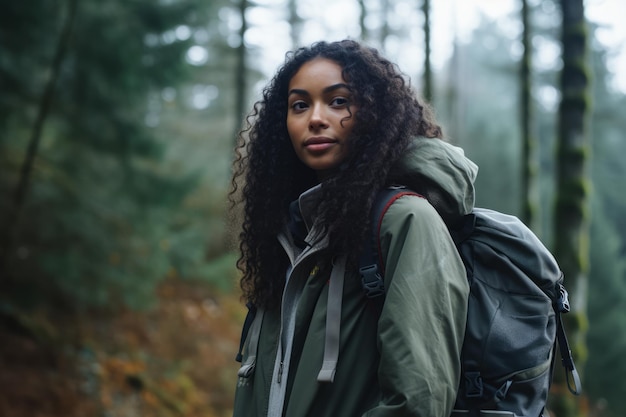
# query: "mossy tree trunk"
529 140
571 217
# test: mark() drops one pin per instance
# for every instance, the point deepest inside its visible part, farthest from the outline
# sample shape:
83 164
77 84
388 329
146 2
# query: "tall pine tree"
571 216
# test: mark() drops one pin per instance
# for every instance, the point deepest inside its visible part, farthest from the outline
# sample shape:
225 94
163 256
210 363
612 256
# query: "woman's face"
319 115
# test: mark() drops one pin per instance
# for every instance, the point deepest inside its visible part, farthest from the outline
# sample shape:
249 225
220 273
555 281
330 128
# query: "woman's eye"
299 106
339 102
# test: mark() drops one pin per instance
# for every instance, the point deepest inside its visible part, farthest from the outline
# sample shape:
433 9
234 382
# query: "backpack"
514 311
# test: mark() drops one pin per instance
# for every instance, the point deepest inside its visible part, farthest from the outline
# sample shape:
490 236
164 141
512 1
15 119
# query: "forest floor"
176 359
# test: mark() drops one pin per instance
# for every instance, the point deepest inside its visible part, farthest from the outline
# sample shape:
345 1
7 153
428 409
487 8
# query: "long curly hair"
268 175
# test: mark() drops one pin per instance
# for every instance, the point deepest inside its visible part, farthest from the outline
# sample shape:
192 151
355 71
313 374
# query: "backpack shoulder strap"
252 325
371 264
252 310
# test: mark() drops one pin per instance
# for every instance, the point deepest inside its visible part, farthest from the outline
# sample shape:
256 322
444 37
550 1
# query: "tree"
571 216
606 339
604 372
98 225
362 17
240 69
428 73
385 30
6 238
295 23
529 141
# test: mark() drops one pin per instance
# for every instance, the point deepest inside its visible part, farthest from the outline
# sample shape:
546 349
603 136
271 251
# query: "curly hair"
387 116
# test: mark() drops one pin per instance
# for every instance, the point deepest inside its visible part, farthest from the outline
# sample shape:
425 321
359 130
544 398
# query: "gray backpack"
514 312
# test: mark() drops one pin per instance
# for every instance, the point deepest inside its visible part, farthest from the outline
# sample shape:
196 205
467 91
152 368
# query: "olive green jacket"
332 352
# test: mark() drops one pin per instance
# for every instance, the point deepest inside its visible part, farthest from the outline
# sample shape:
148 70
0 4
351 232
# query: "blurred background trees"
118 292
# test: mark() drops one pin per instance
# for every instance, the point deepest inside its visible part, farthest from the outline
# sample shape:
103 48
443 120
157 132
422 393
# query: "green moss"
574 155
572 195
575 99
578 31
583 255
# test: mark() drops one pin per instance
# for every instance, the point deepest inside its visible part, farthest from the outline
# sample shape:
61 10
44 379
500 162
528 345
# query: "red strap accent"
380 221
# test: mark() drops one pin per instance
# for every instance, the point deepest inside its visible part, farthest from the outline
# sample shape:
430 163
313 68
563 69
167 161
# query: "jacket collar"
308 203
301 232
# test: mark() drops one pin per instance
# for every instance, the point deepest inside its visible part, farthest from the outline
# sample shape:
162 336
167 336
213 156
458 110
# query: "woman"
336 125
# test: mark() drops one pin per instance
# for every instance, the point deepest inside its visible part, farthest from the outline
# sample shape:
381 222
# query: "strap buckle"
473 385
563 300
373 283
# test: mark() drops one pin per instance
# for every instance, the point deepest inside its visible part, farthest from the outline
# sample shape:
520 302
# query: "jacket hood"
440 172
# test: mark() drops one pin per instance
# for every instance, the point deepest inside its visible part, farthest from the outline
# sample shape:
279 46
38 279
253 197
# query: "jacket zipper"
294 260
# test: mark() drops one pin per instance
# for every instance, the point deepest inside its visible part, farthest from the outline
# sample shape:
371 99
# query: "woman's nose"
318 117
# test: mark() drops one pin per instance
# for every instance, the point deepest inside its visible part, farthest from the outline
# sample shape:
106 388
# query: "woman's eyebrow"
298 91
335 87
325 90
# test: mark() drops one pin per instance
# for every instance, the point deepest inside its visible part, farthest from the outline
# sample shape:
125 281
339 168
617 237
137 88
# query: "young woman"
337 124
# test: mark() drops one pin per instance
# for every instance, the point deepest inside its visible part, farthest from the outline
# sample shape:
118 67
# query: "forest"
119 293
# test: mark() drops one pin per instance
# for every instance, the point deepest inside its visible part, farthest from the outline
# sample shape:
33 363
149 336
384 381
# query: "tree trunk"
455 101
240 70
295 23
33 144
428 82
572 204
362 16
385 30
529 140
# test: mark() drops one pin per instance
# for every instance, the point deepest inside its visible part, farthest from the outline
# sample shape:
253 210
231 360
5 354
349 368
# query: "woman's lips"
319 143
